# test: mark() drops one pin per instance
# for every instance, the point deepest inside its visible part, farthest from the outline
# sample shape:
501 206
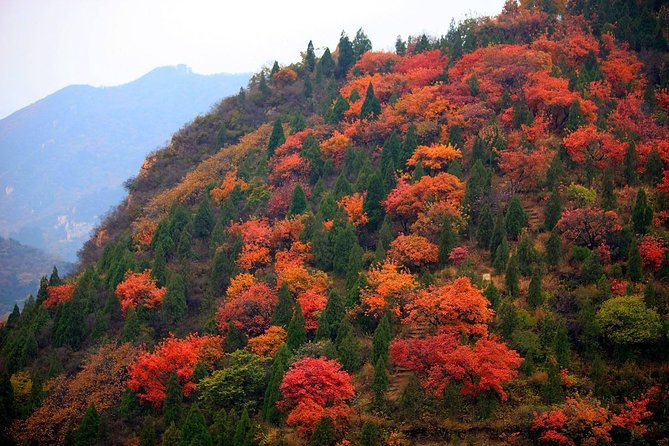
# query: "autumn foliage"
139 289
250 311
268 343
412 251
150 372
390 288
314 387
57 294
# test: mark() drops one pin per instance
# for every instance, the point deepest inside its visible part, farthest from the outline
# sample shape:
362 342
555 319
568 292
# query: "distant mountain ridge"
65 157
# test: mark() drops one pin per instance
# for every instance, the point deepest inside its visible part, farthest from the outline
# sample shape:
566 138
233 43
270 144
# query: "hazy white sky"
48 44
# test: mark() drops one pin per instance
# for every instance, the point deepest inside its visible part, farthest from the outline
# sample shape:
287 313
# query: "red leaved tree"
58 294
251 311
139 289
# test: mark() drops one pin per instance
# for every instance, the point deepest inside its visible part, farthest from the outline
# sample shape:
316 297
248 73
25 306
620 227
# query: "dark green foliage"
54 279
348 348
629 165
575 117
422 45
275 68
381 340
6 402
310 57
498 235
131 327
447 240
634 271
273 391
336 112
308 90
474 85
129 404
511 277
592 269
326 65
381 382
371 107
555 172
173 404
501 257
174 306
324 433
298 202
159 270
390 155
400 46
245 432
283 312
171 436
235 338
87 434
371 435
412 396
342 187
355 265
333 314
147 436
553 211
654 168
194 429
608 195
527 255
372 203
552 388
477 187
200 372
409 145
535 294
515 218
344 239
276 138
553 248
361 44
224 266
204 220
485 228
297 334
185 247
346 58
521 112
492 294
642 213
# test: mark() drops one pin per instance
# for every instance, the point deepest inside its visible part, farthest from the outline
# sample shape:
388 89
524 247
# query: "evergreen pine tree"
244 433
492 294
174 306
273 391
485 228
194 429
87 434
371 107
642 214
346 57
171 436
132 327
634 271
310 57
297 334
54 279
447 240
344 239
147 436
334 313
372 203
381 340
283 312
371 435
515 218
185 247
553 248
129 404
348 350
535 295
173 404
477 187
511 277
592 268
235 338
326 65
552 388
336 112
380 383
400 46
575 117
308 89
501 257
629 165
654 168
204 220
553 211
276 138
324 433
159 270
298 202
361 44
6 402
410 144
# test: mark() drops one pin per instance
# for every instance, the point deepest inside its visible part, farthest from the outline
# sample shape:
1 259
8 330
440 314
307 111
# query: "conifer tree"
348 348
515 218
244 433
553 248
492 294
553 211
87 434
642 213
310 57
344 239
6 402
174 306
334 313
372 203
511 277
147 436
409 145
273 391
283 312
173 404
654 168
326 65
361 44
381 340
355 265
485 228
527 255
552 388
204 220
346 57
591 270
371 435
336 112
194 429
54 279
324 433
575 117
535 294
447 240
629 165
380 382
308 89
171 436
185 248
298 202
297 334
235 338
501 257
477 187
276 138
131 327
342 187
371 107
159 270
634 271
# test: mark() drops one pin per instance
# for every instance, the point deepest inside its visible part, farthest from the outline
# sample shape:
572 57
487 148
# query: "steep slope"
465 241
66 157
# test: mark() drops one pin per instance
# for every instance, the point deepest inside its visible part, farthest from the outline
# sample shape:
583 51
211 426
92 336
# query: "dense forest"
464 241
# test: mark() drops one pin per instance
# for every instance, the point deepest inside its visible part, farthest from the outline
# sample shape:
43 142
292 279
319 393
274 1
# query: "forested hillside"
464 241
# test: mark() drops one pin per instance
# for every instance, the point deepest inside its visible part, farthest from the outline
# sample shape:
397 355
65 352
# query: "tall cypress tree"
511 277
515 218
173 404
553 211
371 107
346 57
324 433
447 239
273 391
634 271
642 213
298 202
283 312
235 339
174 306
348 348
629 165
381 340
194 429
535 294
244 433
87 434
333 314
310 57
131 327
297 334
326 65
276 138
204 220
485 228
380 382
372 203
654 168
